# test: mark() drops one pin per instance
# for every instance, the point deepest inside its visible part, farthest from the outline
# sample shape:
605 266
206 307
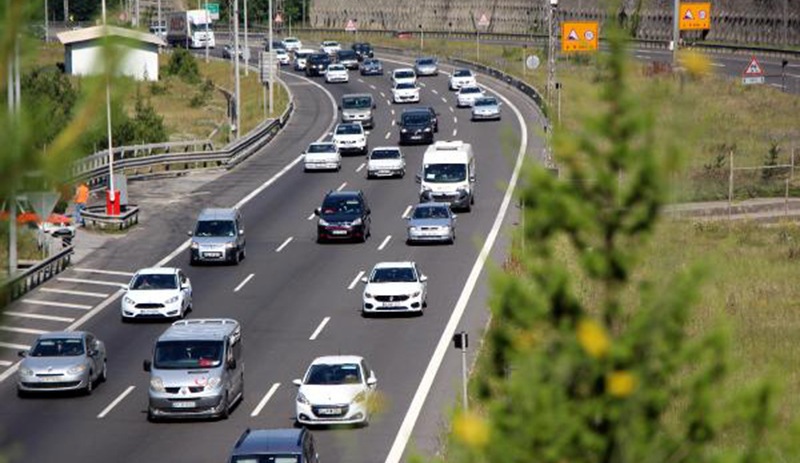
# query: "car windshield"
486 102
393 275
58 347
336 67
346 54
266 459
356 102
431 212
403 74
330 44
470 90
301 55
290 40
322 148
154 281
341 206
348 129
405 86
462 73
445 173
372 62
426 62
179 355
324 374
385 154
211 228
416 119
318 58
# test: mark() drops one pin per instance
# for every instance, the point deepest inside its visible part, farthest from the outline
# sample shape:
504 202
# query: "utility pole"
236 79
46 23
676 33
111 191
271 64
66 11
551 54
137 11
246 52
208 20
13 110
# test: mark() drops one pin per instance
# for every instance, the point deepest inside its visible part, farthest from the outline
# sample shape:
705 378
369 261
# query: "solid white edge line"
244 282
265 399
284 244
74 293
319 328
405 213
36 316
341 187
363 164
14 329
116 402
356 280
415 408
384 243
311 217
105 272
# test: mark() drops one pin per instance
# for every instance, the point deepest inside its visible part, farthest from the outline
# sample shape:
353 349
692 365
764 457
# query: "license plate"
183 404
212 254
329 411
339 232
392 304
50 379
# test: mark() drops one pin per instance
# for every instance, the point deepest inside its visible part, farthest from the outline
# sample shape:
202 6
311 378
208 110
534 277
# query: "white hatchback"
322 156
462 78
395 287
386 161
350 136
158 292
336 73
466 96
405 92
292 43
330 47
404 75
336 389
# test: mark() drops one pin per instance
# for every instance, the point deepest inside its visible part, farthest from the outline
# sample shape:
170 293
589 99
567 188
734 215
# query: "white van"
196 370
448 174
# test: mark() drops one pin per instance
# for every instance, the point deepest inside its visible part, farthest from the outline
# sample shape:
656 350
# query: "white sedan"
404 75
335 390
322 156
405 92
158 292
395 287
462 78
330 47
349 137
386 161
466 96
336 73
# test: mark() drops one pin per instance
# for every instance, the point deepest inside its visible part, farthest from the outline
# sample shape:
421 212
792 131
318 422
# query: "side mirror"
472 178
371 381
418 178
374 105
22 353
423 278
297 382
189 233
317 212
147 365
340 107
364 279
231 364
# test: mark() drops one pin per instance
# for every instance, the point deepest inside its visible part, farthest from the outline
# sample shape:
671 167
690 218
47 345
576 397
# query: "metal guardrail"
37 274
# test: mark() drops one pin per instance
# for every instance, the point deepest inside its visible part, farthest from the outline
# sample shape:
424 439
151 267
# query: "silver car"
486 108
431 222
426 67
62 361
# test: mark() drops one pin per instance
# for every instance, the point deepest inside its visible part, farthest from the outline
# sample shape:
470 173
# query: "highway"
295 299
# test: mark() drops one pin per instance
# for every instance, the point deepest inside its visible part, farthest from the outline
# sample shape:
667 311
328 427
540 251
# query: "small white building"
136 51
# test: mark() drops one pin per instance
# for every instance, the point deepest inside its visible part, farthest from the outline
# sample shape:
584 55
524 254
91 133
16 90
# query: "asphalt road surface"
282 293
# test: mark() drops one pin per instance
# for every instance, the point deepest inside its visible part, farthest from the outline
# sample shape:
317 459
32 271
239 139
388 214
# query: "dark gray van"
197 370
218 236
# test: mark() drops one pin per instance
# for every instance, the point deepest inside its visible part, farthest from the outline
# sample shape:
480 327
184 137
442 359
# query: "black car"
317 64
363 50
272 445
435 117
417 126
348 59
343 215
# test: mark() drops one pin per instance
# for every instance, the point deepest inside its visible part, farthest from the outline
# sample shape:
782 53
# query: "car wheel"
237 258
151 417
89 384
22 394
192 262
104 374
226 410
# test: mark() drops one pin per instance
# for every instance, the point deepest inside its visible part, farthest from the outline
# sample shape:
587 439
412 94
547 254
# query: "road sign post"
461 341
483 21
213 11
753 73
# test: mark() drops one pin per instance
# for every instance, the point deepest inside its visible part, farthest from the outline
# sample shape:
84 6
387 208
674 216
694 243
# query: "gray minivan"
358 107
197 370
218 236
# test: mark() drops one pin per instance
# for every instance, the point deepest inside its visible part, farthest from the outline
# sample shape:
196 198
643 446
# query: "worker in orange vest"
81 197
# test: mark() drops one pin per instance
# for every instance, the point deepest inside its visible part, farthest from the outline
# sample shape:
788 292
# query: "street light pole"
111 195
46 23
208 20
246 51
271 63
236 79
676 33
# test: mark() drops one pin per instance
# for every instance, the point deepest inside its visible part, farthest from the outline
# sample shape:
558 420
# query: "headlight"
229 245
427 129
362 140
213 383
416 294
426 189
302 399
157 384
403 130
172 300
356 222
323 222
24 371
195 245
128 300
360 397
74 370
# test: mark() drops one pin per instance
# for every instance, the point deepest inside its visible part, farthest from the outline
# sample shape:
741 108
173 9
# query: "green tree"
183 65
50 91
585 362
148 125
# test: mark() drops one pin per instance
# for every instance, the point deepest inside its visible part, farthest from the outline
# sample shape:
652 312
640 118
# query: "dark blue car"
371 67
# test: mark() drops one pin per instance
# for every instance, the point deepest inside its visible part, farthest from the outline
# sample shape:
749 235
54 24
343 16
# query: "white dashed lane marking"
264 400
284 244
244 282
356 280
384 243
319 328
116 402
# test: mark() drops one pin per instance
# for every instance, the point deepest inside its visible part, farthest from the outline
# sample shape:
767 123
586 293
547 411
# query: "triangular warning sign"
351 26
688 15
753 69
572 35
484 20
278 18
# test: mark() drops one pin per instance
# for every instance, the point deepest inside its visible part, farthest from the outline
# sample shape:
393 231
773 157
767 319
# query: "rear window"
322 148
462 73
346 54
267 459
385 154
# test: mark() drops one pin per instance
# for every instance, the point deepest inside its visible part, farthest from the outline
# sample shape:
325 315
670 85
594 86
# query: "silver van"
358 107
218 236
197 370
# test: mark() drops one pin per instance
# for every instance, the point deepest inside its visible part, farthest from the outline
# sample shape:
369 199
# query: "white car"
462 78
404 75
300 58
282 56
466 96
350 136
486 108
386 161
405 92
335 390
158 292
322 156
331 47
292 43
394 287
336 73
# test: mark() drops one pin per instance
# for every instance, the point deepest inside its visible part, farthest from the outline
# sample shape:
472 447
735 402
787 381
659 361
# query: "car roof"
215 329
157 271
385 148
63 334
336 359
403 69
404 264
227 213
356 95
266 441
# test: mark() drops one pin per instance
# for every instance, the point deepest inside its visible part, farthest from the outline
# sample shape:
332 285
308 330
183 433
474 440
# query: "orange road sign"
694 16
579 36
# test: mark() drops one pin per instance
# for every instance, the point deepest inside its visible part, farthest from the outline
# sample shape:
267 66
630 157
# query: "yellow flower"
471 430
696 64
593 338
620 383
